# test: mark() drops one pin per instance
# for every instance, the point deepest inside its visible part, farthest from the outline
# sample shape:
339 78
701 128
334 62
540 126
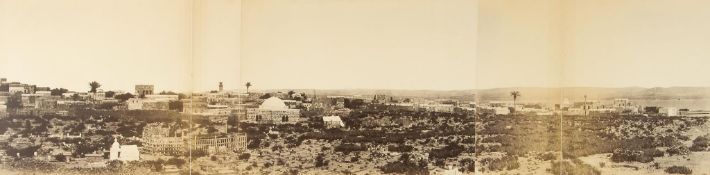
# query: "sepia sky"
384 44
119 43
331 44
601 43
418 44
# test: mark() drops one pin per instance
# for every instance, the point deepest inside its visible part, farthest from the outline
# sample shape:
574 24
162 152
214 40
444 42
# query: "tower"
221 87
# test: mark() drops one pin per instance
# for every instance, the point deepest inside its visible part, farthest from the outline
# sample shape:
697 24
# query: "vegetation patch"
679 170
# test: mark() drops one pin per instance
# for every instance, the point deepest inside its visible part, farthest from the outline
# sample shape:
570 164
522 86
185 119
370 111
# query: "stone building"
273 110
164 141
215 144
142 90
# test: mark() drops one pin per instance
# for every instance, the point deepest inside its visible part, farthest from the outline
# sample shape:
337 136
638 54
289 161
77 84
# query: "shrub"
320 160
643 156
244 156
547 156
679 170
176 161
700 143
399 167
573 168
451 150
347 148
405 166
678 150
509 162
400 148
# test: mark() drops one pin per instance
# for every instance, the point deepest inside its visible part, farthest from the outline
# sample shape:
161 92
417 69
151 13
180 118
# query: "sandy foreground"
699 162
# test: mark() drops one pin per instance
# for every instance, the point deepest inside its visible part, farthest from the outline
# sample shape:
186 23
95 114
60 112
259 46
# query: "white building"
147 104
622 102
273 110
333 122
15 88
669 111
436 107
501 110
123 153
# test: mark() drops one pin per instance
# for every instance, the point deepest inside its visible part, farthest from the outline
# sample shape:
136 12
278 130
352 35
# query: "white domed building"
273 110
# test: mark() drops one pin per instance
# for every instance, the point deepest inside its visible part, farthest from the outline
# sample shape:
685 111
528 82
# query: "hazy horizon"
255 88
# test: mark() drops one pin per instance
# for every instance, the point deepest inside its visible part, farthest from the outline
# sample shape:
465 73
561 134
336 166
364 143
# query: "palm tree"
94 85
248 85
515 95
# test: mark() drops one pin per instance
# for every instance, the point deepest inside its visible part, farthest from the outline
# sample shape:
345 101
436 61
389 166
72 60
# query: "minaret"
221 87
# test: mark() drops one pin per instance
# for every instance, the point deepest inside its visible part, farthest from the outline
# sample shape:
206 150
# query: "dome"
273 103
115 144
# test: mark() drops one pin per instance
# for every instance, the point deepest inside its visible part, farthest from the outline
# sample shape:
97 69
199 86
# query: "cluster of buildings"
26 99
160 140
435 106
622 106
145 99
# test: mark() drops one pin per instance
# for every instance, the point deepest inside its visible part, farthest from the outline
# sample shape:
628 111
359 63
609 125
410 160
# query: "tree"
76 97
265 96
110 94
61 157
14 101
58 91
248 85
244 156
211 130
124 97
175 105
515 95
290 93
94 85
176 161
